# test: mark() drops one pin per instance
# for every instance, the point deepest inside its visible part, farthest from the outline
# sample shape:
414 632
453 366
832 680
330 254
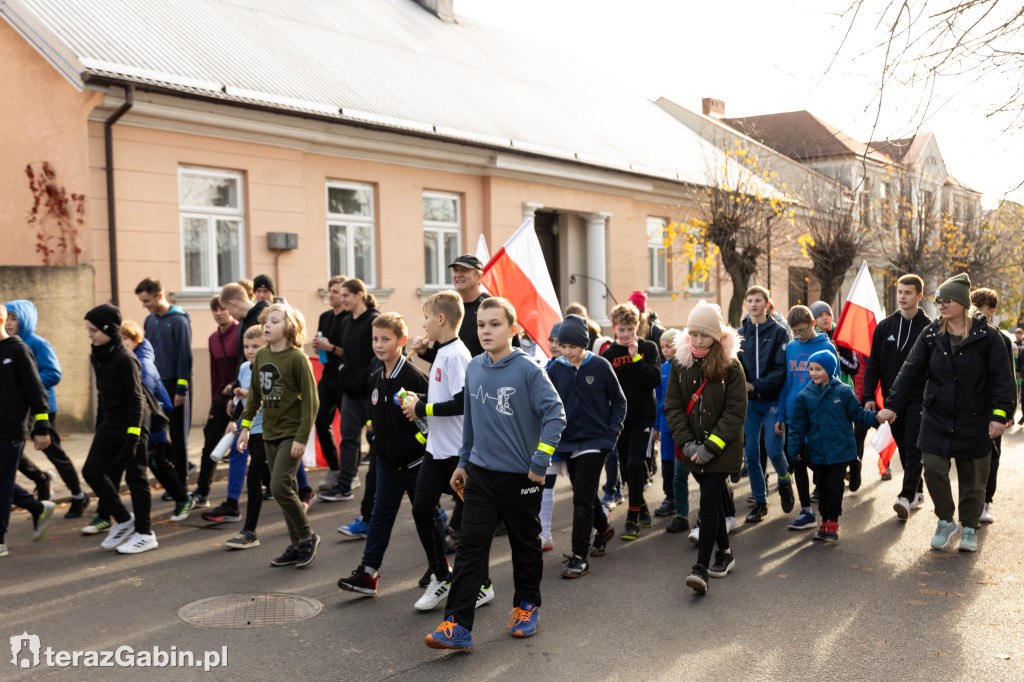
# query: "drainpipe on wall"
108 148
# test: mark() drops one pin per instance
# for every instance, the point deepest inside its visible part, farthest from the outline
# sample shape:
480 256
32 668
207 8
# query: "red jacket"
223 360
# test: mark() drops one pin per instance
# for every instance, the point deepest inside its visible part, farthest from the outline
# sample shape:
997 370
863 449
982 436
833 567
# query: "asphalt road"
879 605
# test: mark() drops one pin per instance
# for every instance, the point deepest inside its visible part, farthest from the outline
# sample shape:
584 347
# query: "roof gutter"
108 148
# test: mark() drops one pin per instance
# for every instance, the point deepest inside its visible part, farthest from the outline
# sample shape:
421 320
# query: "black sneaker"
267 495
167 497
223 512
78 506
601 542
336 494
680 524
855 475
758 512
698 579
735 478
724 562
360 581
289 557
631 531
575 566
451 541
786 495
645 516
200 500
667 508
307 551
814 495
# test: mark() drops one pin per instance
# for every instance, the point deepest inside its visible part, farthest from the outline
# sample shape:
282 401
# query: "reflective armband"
369 423
999 413
134 431
545 448
42 416
420 438
637 357
246 424
430 409
717 441
183 382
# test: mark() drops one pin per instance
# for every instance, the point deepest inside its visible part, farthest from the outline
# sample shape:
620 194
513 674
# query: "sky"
770 57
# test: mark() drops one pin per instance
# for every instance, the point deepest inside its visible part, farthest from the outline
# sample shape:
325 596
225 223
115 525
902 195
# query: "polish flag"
885 445
519 273
482 253
861 314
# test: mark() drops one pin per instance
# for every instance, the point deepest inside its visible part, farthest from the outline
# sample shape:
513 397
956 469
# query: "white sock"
547 504
372 572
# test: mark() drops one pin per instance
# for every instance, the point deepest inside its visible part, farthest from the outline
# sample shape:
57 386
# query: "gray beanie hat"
819 307
574 332
957 289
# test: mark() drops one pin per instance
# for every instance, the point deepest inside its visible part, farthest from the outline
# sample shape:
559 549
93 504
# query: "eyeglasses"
801 332
943 302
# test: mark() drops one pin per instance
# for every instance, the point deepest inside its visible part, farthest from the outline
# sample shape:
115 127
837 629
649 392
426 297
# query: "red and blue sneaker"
450 635
523 622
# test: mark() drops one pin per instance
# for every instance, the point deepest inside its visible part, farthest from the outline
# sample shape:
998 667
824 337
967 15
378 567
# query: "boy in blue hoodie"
821 417
595 408
22 319
169 330
806 342
512 425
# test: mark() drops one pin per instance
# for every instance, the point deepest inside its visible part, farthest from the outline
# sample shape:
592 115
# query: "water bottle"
323 353
402 398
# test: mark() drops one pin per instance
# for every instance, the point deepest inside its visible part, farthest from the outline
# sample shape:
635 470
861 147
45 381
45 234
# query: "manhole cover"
249 610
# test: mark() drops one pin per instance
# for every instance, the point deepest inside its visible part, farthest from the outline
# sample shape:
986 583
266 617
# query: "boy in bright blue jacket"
822 413
22 319
595 408
806 342
675 480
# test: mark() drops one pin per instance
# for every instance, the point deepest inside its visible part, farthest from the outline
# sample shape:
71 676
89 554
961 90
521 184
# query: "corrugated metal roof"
388 62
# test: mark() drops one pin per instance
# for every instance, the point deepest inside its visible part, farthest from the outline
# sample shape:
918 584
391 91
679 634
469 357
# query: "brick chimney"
715 108
442 9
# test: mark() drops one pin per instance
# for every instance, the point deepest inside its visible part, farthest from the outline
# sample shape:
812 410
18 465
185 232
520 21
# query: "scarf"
698 353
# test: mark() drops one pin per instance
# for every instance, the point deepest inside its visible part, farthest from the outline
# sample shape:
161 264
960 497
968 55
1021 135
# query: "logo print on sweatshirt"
270 384
502 399
590 380
374 396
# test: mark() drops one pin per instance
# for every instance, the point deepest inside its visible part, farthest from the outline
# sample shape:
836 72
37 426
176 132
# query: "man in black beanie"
265 288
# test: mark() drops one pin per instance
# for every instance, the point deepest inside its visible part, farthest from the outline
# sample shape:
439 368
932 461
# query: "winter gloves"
703 454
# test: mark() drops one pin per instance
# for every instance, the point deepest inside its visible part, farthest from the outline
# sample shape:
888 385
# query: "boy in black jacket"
637 365
20 389
399 444
890 346
594 411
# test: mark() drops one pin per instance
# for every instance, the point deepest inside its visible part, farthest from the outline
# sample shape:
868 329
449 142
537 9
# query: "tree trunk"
829 289
739 278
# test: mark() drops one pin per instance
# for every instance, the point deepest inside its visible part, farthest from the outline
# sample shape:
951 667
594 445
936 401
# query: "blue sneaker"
608 500
523 622
969 540
356 529
618 497
946 535
450 635
804 521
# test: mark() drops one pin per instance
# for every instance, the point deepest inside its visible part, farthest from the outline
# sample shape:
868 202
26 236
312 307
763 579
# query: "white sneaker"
730 524
330 480
986 514
902 508
435 592
918 501
118 533
694 535
3 550
138 543
485 594
40 523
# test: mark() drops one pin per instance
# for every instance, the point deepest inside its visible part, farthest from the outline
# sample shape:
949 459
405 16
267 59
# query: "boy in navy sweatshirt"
399 444
20 389
169 330
513 422
594 410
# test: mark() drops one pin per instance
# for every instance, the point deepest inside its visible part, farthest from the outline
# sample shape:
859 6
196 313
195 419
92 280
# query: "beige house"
214 141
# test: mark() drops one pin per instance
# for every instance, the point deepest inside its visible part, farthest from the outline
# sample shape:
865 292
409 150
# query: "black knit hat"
106 318
264 282
574 331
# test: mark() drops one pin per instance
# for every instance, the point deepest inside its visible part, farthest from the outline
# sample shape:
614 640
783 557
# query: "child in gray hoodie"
513 423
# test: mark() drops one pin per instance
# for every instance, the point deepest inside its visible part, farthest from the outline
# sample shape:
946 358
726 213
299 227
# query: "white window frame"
347 221
656 249
441 229
695 286
211 214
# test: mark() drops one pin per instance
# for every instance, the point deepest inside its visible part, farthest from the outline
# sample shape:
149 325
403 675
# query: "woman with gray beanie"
959 362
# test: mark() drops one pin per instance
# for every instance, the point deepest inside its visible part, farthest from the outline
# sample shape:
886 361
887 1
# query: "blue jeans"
236 471
391 484
612 483
762 414
681 488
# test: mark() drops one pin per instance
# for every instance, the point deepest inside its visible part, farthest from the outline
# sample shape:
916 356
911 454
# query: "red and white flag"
519 273
861 314
885 445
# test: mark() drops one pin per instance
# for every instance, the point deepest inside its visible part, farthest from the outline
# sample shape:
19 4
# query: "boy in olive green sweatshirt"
284 388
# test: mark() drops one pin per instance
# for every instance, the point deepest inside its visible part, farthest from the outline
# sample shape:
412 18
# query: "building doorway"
545 223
